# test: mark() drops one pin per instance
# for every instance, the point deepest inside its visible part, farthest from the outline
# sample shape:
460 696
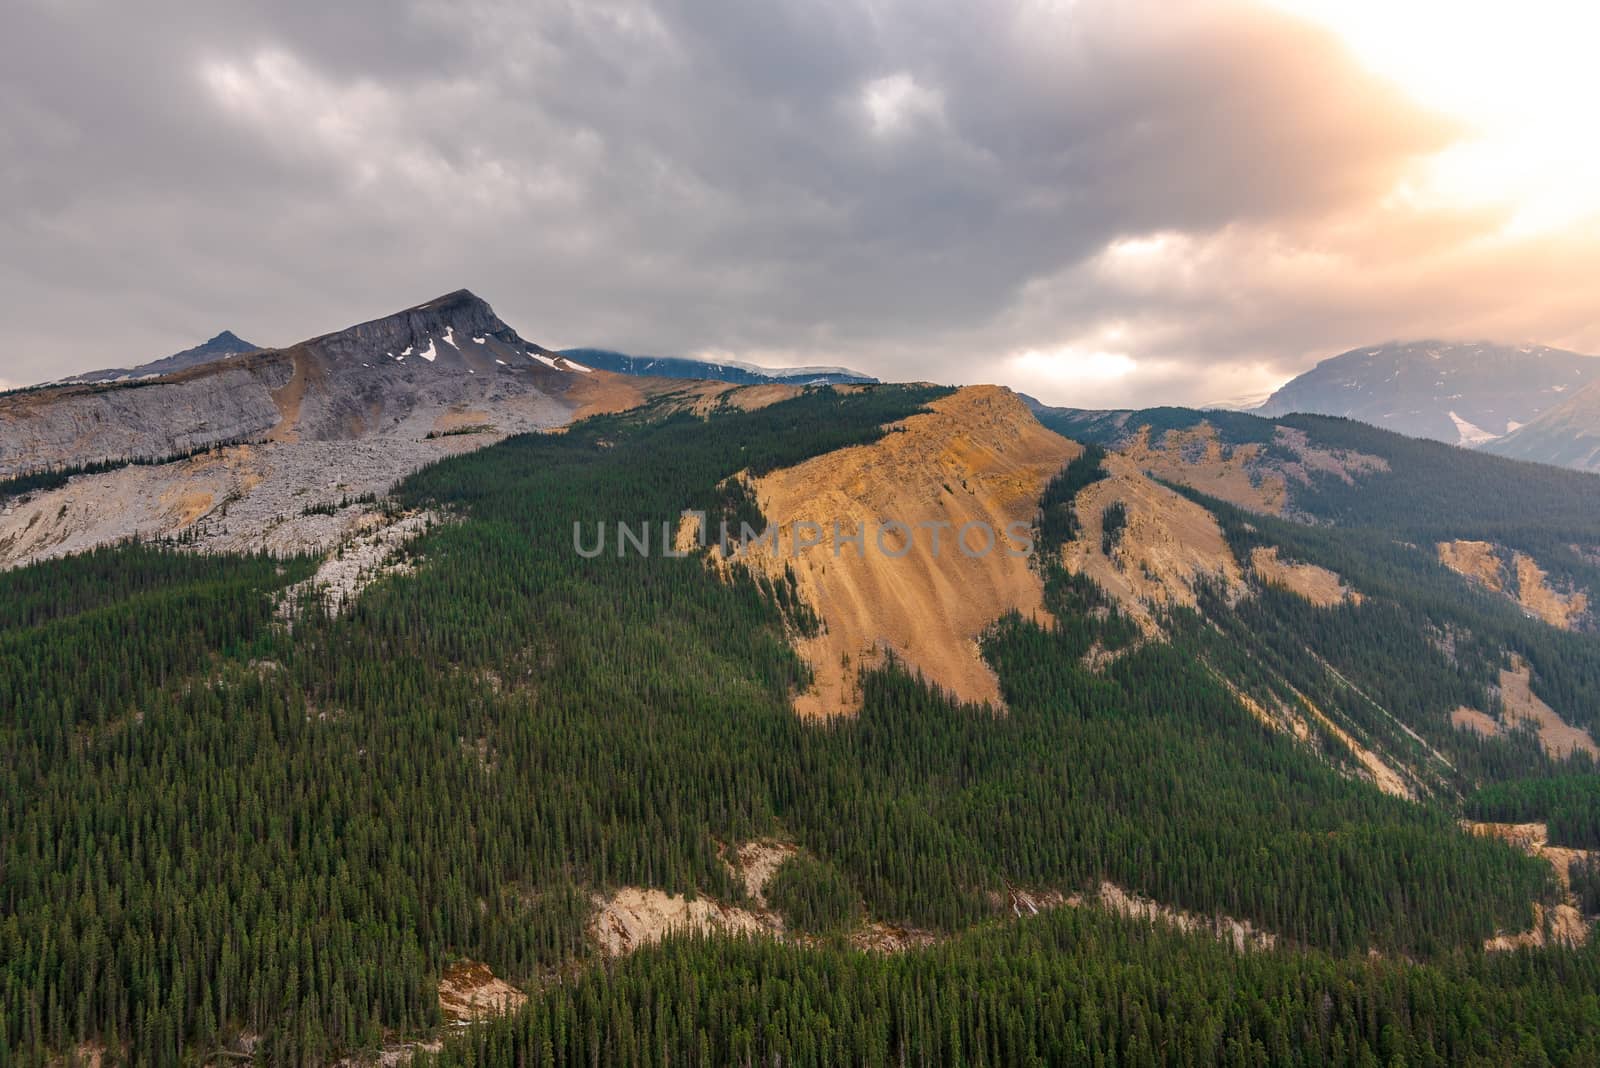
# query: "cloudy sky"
1098 201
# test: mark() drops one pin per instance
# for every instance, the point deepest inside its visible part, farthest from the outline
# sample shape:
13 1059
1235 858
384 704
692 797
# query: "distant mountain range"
228 344
747 374
1520 401
220 347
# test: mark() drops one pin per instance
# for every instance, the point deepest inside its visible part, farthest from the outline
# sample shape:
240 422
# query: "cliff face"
76 424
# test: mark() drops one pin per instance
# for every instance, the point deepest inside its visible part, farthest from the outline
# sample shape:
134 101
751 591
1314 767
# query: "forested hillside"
224 833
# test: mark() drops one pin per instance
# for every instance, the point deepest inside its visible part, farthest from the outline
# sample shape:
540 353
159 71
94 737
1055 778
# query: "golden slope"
978 456
1168 547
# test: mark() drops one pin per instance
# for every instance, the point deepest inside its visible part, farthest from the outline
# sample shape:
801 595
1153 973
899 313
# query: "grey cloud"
687 175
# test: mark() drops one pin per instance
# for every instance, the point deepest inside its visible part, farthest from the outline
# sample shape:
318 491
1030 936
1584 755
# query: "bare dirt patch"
1347 465
978 456
635 917
185 507
1168 546
757 862
460 419
396 1055
1384 777
84 1055
290 398
1318 585
470 991
752 398
1476 560
1561 924
703 398
1536 596
1196 457
1280 718
1522 705
891 938
1241 934
1470 719
1519 577
601 393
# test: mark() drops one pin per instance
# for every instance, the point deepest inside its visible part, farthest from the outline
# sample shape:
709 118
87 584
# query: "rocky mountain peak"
451 319
228 341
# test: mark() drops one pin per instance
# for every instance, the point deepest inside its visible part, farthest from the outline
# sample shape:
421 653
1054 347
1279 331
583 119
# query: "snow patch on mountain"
1471 436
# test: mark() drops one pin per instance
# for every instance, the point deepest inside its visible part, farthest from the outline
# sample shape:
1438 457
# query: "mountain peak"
220 347
230 341
453 317
1460 392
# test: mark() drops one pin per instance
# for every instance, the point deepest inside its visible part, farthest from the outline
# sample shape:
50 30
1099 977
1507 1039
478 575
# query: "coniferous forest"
219 817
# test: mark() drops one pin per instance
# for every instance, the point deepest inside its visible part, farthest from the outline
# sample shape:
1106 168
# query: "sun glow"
1521 77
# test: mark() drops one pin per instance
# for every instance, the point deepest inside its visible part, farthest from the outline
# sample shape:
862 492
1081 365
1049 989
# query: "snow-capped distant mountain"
1567 434
1463 393
725 371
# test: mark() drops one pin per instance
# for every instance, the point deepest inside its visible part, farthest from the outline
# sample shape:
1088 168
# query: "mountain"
730 371
277 448
396 375
722 723
1529 533
220 347
1464 394
1567 434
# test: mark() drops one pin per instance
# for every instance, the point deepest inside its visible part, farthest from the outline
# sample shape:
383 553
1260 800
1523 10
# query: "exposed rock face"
1254 475
1561 924
977 457
1518 577
1318 585
220 347
76 424
394 375
470 991
634 917
1197 457
1522 705
1166 548
1522 708
461 314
